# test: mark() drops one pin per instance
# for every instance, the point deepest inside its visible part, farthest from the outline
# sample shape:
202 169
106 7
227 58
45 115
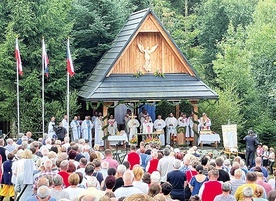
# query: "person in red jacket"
63 172
153 163
210 189
132 157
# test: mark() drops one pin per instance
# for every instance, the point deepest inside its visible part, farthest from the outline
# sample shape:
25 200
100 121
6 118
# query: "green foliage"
266 129
226 110
96 25
139 4
164 108
30 21
262 45
214 17
186 107
233 69
58 108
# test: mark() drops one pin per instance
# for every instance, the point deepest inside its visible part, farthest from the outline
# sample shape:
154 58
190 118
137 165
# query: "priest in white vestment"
189 127
98 131
133 124
171 123
127 118
159 125
147 125
51 132
182 120
75 126
145 115
86 128
112 126
205 122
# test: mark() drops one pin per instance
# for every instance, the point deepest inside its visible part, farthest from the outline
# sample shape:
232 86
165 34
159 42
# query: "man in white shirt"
65 123
128 189
165 165
51 125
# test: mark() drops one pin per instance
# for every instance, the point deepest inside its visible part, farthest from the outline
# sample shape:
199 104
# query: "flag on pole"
18 58
45 59
70 67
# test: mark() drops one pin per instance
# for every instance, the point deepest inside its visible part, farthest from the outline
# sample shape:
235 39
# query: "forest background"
230 43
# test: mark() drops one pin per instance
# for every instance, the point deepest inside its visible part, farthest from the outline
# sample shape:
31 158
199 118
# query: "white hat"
176 150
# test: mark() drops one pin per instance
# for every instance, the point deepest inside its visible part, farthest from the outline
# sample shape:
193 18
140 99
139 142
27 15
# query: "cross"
132 116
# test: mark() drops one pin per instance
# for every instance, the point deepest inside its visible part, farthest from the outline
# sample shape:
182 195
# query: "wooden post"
195 117
105 112
177 109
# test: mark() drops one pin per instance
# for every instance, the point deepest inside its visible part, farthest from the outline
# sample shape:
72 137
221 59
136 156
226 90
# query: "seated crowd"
54 170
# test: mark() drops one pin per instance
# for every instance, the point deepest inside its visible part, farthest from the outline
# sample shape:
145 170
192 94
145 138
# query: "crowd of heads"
83 165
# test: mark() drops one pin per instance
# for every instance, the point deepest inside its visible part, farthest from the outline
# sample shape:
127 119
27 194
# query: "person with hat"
251 142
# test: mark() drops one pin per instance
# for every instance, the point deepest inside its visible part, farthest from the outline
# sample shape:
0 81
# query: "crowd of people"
51 169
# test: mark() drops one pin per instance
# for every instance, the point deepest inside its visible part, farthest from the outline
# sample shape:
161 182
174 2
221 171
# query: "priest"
171 123
159 125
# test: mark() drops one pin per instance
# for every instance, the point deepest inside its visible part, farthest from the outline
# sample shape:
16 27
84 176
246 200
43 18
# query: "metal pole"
17 97
68 101
42 91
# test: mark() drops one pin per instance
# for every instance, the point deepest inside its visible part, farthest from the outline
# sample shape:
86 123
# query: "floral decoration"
133 140
138 73
153 141
159 73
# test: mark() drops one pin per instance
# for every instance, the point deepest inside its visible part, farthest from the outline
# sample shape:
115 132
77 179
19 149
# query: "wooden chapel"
144 63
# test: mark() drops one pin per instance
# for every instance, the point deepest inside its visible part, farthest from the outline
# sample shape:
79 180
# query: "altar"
115 139
208 139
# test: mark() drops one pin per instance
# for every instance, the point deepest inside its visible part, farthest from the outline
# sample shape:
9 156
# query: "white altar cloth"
208 139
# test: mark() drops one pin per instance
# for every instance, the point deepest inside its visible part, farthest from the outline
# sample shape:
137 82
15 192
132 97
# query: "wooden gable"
112 79
162 56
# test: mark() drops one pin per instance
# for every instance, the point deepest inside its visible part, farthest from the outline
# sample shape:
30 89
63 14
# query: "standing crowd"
55 169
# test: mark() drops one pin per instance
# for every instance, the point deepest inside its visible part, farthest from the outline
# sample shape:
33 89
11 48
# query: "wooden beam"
195 118
105 113
177 111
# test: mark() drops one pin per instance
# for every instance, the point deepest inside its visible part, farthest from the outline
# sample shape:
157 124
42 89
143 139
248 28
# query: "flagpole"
18 68
68 102
17 97
42 91
70 72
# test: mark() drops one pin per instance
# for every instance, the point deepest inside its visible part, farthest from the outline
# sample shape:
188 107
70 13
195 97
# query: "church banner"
229 133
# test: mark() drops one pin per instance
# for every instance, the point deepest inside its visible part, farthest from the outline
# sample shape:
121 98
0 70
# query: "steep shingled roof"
99 86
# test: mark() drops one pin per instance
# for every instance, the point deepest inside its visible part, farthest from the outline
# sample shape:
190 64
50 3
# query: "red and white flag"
18 58
70 67
45 59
